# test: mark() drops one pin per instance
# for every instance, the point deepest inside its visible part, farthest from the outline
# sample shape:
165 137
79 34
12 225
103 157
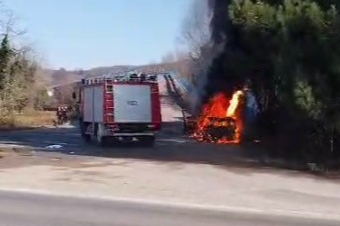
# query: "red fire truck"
125 108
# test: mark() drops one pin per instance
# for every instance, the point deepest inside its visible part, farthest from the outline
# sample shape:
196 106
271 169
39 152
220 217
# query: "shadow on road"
171 147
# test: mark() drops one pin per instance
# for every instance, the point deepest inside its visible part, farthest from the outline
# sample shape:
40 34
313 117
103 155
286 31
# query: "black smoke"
224 74
219 22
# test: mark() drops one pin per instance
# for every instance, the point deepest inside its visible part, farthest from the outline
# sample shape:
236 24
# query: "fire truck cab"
126 108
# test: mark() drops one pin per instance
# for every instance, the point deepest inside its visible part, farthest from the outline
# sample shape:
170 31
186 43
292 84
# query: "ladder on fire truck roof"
127 78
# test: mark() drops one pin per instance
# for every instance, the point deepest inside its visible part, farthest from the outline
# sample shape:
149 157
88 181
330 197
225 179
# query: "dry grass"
28 119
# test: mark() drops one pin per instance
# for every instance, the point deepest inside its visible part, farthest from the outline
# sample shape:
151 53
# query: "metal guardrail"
184 86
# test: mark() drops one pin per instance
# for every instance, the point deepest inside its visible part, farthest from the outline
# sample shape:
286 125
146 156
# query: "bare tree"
169 57
195 36
196 28
20 86
63 94
181 55
9 25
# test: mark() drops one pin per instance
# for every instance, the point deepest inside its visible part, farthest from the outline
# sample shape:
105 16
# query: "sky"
89 33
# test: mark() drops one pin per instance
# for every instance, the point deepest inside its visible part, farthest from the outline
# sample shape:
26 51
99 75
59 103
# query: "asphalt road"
22 209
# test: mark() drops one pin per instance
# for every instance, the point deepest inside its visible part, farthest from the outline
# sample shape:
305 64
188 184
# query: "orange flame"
220 107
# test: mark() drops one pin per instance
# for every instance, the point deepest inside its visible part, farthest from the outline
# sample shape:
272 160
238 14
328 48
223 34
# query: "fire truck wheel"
100 138
83 126
147 141
86 137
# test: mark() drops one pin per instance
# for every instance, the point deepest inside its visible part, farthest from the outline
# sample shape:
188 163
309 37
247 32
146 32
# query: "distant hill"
99 71
62 76
58 77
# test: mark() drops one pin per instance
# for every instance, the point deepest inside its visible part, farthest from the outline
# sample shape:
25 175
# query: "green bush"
289 52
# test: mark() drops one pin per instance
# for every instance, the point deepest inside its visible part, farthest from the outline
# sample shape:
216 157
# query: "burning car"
218 122
220 129
189 122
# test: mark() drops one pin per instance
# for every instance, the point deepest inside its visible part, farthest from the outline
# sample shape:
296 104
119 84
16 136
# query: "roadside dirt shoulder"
176 182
